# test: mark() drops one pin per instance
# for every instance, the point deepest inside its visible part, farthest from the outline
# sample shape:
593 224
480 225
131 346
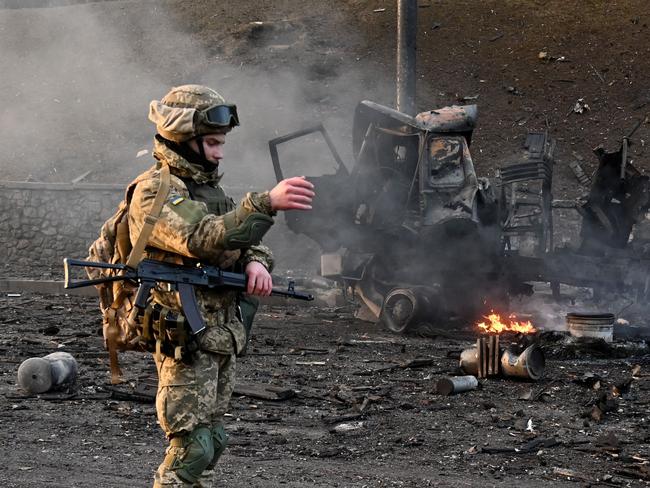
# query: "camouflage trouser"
194 395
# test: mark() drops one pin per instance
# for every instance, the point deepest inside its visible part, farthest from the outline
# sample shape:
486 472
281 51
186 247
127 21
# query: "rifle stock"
69 263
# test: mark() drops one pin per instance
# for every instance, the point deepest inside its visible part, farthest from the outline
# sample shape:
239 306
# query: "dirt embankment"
525 63
290 63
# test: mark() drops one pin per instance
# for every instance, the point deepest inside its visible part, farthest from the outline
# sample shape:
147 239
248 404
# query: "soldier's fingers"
300 181
300 199
298 190
265 289
270 285
250 289
298 206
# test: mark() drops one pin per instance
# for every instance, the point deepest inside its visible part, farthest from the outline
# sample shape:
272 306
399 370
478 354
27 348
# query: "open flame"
495 325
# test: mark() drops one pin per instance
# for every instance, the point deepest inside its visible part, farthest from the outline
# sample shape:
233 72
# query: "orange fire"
495 325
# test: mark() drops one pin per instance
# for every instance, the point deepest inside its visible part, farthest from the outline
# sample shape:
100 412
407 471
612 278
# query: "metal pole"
407 28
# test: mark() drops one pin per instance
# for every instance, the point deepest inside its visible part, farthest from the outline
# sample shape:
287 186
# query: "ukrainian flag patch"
176 200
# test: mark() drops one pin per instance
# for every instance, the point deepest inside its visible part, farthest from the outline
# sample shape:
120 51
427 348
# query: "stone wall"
41 223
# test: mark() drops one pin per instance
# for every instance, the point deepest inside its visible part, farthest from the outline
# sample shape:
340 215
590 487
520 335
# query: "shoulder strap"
151 219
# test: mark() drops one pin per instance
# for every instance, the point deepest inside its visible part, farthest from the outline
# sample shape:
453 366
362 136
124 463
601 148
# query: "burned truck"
411 229
418 238
613 253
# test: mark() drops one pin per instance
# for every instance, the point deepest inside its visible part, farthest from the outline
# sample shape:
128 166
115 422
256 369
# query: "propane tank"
51 372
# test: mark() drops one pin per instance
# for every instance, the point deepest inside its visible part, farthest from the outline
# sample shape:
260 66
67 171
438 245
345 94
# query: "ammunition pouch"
248 233
166 333
246 309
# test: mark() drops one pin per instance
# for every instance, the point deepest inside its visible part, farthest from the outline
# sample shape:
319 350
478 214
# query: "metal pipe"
529 364
407 28
457 384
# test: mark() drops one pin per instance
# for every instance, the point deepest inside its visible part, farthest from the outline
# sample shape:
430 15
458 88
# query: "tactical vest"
219 203
213 196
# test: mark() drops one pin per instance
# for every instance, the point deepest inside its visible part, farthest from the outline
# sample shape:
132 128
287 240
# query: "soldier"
199 223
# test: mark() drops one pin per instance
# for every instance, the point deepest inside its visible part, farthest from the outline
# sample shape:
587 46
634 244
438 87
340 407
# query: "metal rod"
406 54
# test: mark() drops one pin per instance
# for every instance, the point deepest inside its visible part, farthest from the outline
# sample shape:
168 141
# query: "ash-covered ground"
355 413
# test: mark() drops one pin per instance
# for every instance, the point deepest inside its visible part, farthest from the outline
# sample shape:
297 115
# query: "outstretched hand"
259 280
292 194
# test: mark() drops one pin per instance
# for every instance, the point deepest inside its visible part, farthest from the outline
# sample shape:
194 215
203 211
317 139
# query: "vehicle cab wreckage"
418 237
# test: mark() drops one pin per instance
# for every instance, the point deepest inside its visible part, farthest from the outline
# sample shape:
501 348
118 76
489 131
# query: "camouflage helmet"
189 111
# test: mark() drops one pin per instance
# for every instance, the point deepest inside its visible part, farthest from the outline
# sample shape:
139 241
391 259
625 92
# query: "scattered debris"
544 56
529 426
579 173
459 384
589 380
487 359
571 474
349 427
122 394
513 90
264 392
600 76
580 106
467 98
81 177
603 404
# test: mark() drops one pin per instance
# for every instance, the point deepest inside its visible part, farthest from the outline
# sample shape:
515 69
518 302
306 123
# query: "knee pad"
194 453
219 441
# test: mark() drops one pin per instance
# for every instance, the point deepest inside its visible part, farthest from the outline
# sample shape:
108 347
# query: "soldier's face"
212 146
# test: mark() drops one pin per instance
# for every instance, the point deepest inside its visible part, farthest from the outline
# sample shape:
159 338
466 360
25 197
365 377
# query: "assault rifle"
182 279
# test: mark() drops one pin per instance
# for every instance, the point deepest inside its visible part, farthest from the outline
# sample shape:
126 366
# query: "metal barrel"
593 325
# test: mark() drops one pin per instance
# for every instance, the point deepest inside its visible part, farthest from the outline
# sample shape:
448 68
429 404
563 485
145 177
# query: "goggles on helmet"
222 115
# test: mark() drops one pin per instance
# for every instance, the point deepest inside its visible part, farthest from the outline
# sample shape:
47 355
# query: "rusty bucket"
593 325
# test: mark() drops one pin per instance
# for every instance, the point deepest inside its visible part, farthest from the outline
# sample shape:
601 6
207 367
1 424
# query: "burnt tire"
400 310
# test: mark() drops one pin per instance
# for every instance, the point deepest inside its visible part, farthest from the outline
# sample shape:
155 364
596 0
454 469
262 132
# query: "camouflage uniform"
192 398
